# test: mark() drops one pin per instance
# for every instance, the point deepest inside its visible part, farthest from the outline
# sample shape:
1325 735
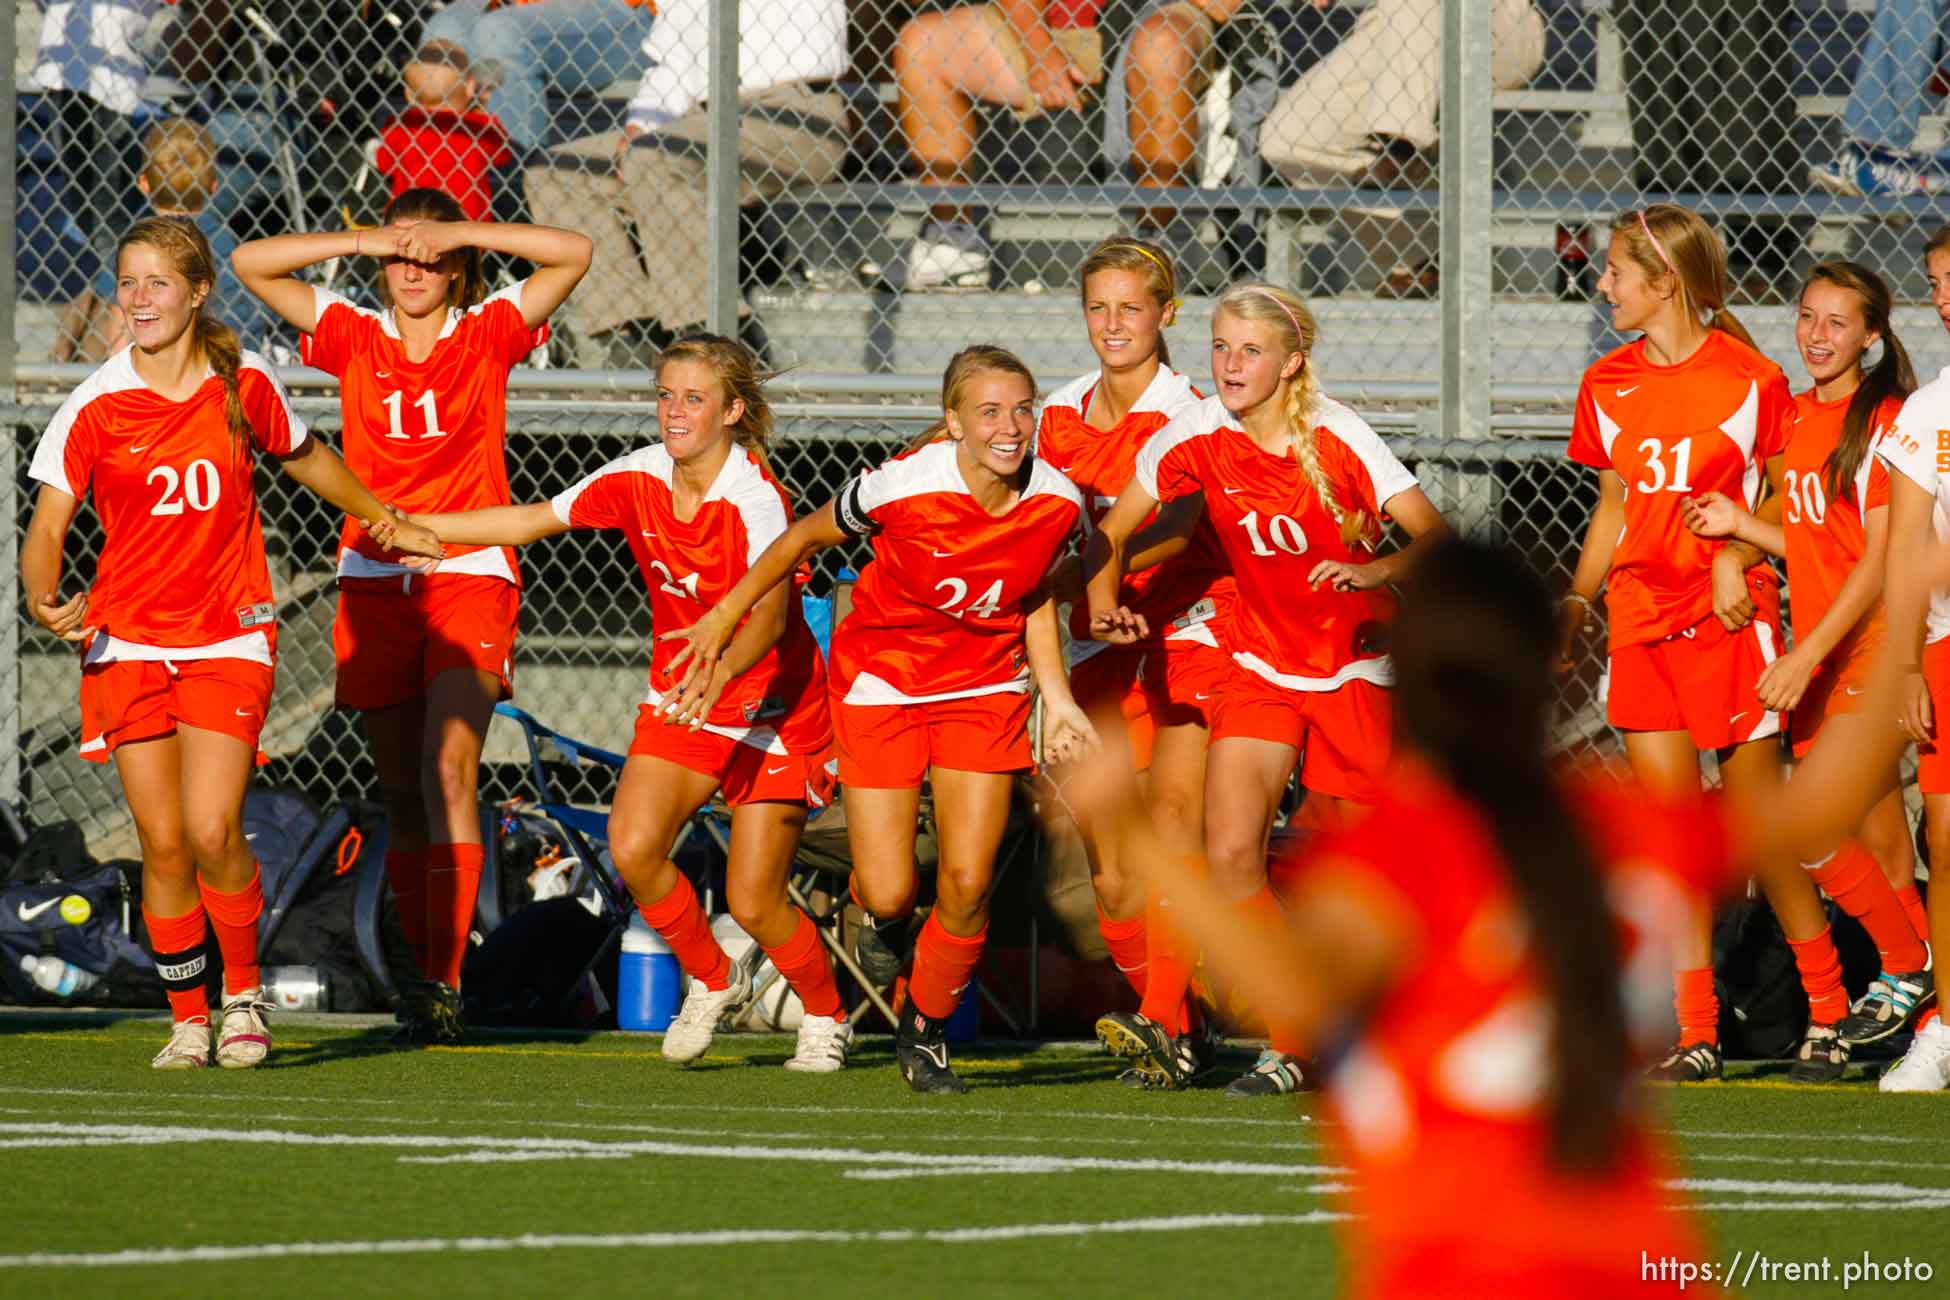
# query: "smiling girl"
1690 407
179 630
1295 486
696 510
1834 534
423 389
951 622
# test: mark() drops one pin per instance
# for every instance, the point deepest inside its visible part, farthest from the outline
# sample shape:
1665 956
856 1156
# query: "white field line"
1882 1191
488 1148
1775 1207
1824 1162
659 1240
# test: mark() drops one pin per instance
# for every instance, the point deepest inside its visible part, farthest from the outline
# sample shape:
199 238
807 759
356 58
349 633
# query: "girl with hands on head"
1295 485
179 628
696 510
952 621
425 656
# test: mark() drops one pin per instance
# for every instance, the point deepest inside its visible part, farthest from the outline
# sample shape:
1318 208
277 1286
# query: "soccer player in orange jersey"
1834 533
696 510
932 668
1295 485
1917 452
1690 407
179 631
424 657
1154 693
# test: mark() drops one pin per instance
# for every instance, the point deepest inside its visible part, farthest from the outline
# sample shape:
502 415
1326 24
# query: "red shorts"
393 637
1169 685
1836 688
745 773
1346 735
1933 758
1700 681
140 699
892 746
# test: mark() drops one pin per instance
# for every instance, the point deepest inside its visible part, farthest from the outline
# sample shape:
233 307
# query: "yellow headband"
1171 277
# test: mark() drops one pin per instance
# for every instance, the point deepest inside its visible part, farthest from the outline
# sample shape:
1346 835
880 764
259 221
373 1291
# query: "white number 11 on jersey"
393 403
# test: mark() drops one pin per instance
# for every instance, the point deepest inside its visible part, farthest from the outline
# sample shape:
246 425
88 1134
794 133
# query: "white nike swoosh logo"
1627 392
648 533
29 913
1233 492
143 447
942 555
1200 695
774 771
1851 690
243 713
382 374
1736 717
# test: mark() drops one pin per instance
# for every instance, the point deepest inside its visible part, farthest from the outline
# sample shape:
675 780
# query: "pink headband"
1281 304
1657 247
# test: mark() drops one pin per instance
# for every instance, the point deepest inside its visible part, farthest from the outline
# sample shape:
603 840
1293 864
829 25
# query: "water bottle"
649 983
296 988
63 979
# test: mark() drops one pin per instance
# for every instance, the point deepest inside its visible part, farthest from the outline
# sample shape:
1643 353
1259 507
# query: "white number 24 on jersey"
983 606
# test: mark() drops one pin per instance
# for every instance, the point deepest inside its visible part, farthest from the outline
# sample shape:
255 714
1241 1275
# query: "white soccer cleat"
690 1034
246 1036
823 1045
188 1047
1926 1066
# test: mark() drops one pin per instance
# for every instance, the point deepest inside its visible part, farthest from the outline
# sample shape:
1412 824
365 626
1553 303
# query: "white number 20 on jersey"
198 486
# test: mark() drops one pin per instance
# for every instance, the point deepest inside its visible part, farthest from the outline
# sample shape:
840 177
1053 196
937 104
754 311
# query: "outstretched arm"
705 640
269 267
492 526
319 468
560 256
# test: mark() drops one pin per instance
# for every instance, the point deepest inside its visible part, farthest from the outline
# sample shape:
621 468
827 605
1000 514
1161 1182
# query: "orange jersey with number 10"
428 436
1708 424
182 567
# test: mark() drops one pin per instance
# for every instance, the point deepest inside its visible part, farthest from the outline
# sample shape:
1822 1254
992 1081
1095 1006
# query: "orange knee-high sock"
803 963
1262 909
177 943
1854 879
453 879
1821 975
233 919
680 919
1913 908
943 965
1169 965
1128 946
1696 1005
406 875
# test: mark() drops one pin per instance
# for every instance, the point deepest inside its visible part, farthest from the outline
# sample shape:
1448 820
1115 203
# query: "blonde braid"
1301 395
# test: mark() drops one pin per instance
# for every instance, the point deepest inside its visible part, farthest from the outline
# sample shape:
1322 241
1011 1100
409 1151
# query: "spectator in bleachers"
178 179
445 139
1038 58
539 45
1365 113
1885 105
639 193
92 65
1709 88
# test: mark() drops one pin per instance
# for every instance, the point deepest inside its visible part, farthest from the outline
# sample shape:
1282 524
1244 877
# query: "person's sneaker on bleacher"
1274 1074
921 1051
823 1045
1863 170
1689 1063
1891 1002
690 1034
1822 1058
1926 1066
188 1047
878 959
943 255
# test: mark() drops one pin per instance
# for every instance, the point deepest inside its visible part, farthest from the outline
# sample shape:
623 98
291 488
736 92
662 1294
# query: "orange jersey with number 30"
428 436
1708 424
182 565
1824 533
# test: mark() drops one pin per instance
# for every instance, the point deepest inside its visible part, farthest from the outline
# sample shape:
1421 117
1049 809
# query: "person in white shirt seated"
640 193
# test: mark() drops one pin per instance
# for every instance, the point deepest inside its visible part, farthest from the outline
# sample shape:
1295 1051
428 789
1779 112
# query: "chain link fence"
909 178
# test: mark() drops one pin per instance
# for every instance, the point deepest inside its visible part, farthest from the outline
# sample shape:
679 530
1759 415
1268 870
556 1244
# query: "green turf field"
570 1166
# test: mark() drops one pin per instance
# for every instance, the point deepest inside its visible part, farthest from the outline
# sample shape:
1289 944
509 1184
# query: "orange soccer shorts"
394 636
140 699
892 746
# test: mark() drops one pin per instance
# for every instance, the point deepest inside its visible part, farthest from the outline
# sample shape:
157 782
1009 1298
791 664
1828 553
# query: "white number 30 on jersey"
198 485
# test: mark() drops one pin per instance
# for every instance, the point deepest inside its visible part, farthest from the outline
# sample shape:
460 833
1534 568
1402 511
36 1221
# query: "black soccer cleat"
1822 1057
879 961
1144 1042
921 1050
1892 1003
429 1016
1694 1063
